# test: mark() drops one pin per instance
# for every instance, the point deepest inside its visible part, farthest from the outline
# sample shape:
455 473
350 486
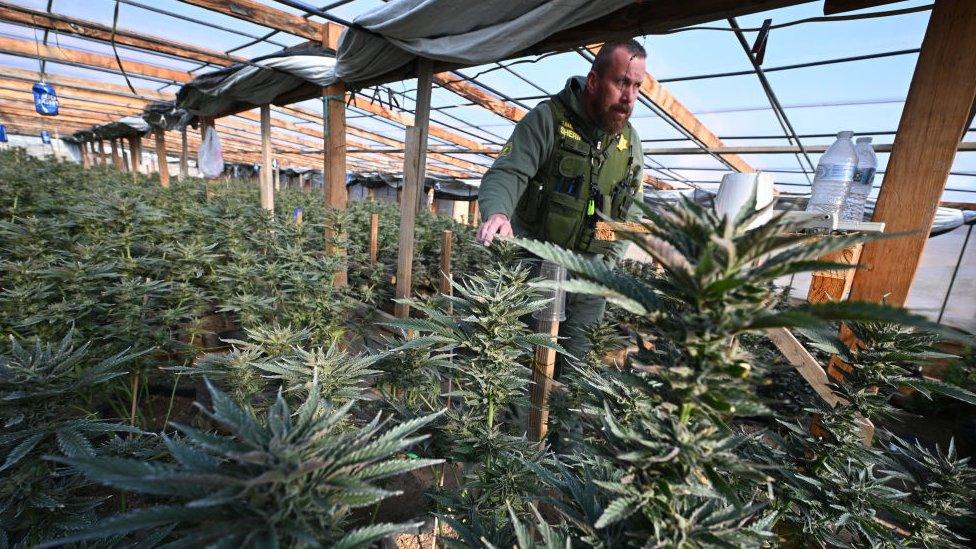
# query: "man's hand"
496 224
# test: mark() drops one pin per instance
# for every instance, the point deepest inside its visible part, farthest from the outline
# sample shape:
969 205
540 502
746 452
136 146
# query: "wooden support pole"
371 193
85 158
267 185
184 156
543 368
276 176
116 159
374 238
161 158
102 160
135 149
933 122
473 213
413 181
334 172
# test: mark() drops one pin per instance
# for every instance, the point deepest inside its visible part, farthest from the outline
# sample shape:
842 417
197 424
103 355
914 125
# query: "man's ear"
591 78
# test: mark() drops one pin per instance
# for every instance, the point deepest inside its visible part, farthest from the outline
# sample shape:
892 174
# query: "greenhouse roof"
822 74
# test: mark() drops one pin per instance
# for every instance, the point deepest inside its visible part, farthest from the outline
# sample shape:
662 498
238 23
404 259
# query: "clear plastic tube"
555 311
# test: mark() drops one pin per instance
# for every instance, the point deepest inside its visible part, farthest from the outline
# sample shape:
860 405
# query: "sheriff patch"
566 130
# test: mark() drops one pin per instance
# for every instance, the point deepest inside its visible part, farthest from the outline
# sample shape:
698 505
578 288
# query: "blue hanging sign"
45 99
45 137
3 133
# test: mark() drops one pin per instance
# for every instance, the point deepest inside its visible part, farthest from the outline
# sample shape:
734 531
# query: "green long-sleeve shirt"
527 150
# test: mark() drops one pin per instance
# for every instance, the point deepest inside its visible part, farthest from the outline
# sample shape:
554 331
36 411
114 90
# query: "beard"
611 121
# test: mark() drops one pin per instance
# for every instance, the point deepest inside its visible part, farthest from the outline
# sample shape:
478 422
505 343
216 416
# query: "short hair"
604 57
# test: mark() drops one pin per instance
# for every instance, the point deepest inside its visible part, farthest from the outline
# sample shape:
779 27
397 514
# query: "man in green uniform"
569 158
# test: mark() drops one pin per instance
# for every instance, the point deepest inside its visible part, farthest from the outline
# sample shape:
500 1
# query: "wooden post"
933 121
413 180
102 160
116 160
184 156
334 172
94 153
371 193
266 183
543 368
374 237
276 177
473 212
85 159
161 158
135 148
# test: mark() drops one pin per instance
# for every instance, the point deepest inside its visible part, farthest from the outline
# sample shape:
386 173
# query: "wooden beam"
82 84
161 158
477 94
334 171
261 14
833 285
932 124
27 48
833 7
116 159
780 149
267 191
37 19
413 180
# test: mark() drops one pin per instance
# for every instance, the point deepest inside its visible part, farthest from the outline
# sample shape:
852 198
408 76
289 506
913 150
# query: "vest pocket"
563 219
529 206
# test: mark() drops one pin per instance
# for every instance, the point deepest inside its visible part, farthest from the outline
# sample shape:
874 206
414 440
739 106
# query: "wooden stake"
267 185
374 237
413 180
184 156
102 161
543 368
276 176
473 212
933 121
334 172
834 285
161 158
447 238
85 158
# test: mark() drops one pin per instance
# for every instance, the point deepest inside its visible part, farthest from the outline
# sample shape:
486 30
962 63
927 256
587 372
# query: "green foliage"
281 479
46 392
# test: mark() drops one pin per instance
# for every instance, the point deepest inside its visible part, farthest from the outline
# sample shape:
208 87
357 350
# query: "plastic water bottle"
867 165
835 172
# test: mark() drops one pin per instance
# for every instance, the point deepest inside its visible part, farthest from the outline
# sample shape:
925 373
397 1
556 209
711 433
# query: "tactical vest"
578 180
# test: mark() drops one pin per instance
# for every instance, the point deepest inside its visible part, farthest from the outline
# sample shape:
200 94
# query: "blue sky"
862 96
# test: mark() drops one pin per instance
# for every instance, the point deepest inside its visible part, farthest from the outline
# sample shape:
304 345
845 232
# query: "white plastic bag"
210 159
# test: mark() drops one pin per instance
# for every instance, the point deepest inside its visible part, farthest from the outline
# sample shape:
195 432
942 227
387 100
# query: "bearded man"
569 158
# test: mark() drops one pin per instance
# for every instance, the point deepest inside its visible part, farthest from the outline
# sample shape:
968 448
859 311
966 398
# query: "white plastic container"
835 172
867 165
736 188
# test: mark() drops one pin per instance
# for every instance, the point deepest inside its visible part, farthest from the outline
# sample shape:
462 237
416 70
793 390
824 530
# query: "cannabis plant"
284 478
47 397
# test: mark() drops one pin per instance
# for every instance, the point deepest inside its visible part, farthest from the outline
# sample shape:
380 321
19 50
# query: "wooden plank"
447 238
833 7
267 192
476 94
85 159
413 181
103 33
82 84
932 124
374 238
261 14
779 149
161 158
543 368
805 364
833 285
27 48
334 171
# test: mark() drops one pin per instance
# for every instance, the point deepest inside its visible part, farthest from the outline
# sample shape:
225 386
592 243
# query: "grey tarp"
463 33
258 82
127 126
83 136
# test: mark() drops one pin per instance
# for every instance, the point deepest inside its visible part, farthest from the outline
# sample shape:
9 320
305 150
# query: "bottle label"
837 172
864 176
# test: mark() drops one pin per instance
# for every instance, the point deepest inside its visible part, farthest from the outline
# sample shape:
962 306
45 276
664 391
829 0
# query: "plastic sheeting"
165 115
127 126
465 33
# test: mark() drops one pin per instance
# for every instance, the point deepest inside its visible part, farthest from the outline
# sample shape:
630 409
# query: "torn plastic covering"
165 115
127 126
258 82
445 188
82 136
467 33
